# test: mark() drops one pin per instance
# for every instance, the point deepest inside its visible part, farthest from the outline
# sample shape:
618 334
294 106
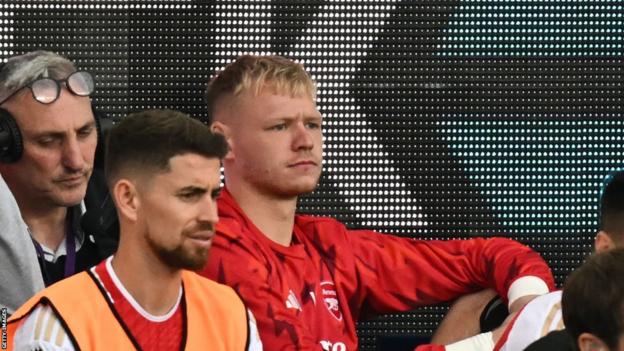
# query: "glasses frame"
58 83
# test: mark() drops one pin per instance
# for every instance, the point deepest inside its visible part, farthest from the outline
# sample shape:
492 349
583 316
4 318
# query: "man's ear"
127 199
590 342
223 129
603 242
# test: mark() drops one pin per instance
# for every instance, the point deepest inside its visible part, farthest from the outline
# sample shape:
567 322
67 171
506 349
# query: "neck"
274 216
45 220
150 282
46 225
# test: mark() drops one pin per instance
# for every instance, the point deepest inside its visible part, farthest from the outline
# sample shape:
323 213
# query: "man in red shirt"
309 279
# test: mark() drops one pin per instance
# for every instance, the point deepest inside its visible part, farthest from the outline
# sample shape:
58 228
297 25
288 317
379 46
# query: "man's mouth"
202 238
74 180
302 163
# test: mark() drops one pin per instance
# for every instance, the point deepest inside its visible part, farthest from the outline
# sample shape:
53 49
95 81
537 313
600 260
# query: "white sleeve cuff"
527 285
479 342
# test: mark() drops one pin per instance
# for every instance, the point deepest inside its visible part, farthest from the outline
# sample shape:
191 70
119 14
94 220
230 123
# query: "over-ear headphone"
11 144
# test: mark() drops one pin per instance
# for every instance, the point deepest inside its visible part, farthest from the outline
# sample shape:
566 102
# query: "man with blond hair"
309 279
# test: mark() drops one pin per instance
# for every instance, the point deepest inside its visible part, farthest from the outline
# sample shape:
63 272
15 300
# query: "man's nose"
302 138
72 157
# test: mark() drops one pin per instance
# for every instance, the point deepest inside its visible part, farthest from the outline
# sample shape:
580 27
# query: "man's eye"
85 132
46 141
313 125
189 196
281 126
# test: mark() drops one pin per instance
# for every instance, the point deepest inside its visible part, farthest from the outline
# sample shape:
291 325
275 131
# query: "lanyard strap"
70 249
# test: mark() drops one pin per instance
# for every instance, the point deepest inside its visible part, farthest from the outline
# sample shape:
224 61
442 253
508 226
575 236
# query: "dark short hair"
146 141
256 72
612 205
593 298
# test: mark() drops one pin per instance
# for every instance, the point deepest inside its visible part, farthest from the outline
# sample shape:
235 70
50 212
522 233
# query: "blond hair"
256 73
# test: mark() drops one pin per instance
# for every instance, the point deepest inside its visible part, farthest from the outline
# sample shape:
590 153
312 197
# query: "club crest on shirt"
330 297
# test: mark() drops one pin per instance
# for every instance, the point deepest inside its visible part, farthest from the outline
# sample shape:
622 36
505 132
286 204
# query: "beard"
180 257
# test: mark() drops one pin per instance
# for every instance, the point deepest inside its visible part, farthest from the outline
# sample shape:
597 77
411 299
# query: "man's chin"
300 187
190 262
70 199
293 190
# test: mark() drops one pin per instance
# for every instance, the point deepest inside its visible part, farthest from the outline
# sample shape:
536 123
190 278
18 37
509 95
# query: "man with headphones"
48 139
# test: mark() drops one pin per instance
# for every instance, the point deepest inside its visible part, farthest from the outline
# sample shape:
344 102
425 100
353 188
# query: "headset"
11 142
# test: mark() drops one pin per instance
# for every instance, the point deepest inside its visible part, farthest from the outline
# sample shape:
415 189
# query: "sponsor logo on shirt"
336 346
330 297
292 301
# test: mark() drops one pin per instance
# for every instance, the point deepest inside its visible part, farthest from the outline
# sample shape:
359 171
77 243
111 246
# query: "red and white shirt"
538 318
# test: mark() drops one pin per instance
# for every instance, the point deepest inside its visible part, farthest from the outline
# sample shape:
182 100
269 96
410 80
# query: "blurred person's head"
163 171
611 231
593 302
48 131
265 107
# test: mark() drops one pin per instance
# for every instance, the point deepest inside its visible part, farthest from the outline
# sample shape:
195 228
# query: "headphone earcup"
98 122
103 125
11 144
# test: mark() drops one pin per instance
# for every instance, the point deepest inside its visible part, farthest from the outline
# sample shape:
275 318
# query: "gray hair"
21 70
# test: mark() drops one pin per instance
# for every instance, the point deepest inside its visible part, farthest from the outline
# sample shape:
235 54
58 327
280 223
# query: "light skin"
604 242
275 155
590 342
59 147
167 221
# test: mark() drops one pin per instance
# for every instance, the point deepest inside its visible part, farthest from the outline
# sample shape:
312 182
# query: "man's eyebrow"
191 189
57 134
90 124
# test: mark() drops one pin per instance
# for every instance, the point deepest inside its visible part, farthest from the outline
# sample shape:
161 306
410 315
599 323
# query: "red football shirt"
148 331
309 295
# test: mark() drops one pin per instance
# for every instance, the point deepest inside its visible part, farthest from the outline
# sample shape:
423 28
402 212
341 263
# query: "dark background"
443 119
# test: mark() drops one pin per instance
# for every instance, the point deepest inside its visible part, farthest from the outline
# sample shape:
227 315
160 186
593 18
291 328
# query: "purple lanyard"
70 249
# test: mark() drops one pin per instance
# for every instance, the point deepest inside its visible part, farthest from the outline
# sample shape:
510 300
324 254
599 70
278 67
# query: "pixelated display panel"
443 119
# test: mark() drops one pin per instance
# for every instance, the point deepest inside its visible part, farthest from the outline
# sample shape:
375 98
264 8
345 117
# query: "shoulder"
210 298
80 280
543 307
57 293
42 329
538 317
218 291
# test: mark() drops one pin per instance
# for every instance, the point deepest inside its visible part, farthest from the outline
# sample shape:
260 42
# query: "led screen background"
443 119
